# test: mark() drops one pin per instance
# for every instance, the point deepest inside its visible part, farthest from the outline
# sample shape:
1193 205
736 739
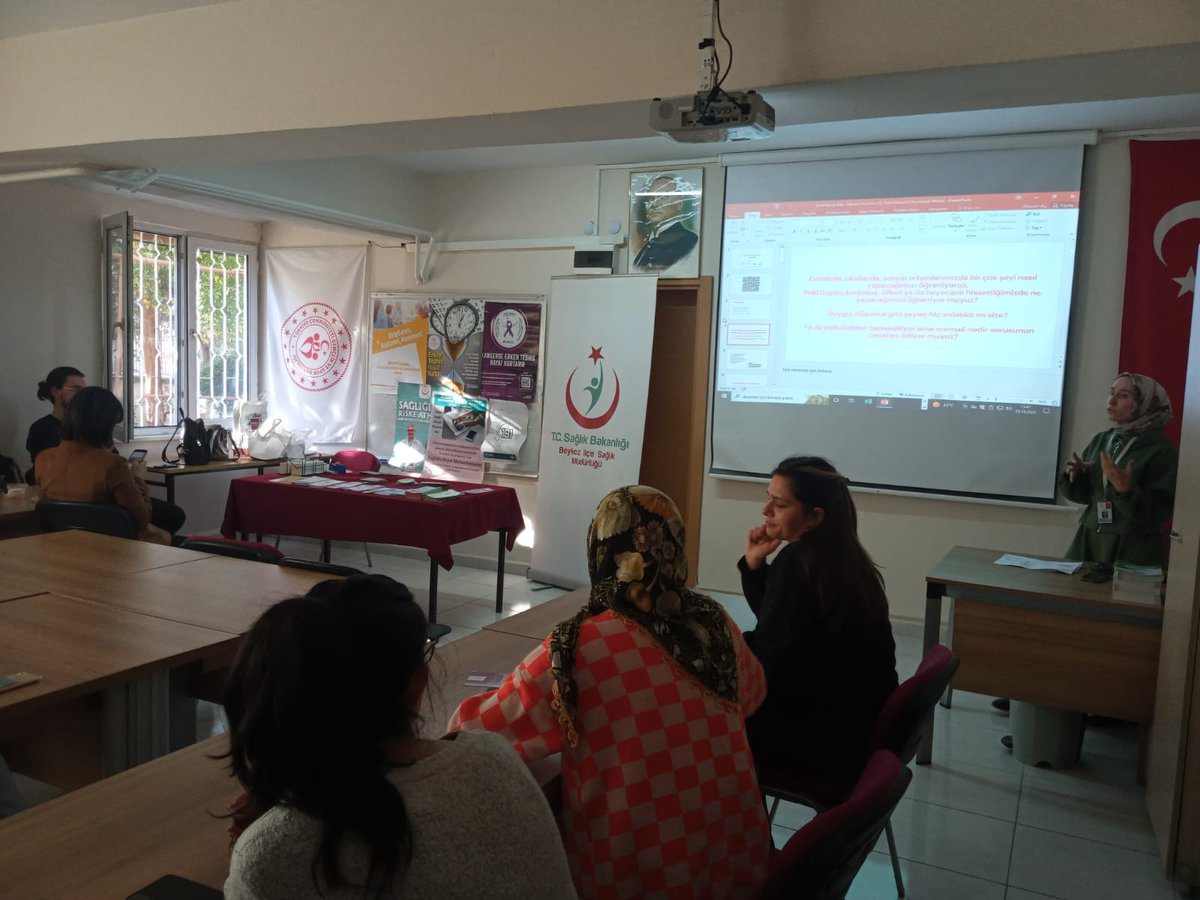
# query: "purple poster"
511 331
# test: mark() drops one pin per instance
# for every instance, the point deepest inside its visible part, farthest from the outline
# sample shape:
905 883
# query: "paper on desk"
1028 562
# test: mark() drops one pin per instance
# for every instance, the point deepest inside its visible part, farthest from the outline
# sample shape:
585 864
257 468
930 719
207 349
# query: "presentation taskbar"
908 404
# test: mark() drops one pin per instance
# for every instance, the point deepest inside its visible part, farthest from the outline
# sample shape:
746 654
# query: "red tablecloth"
257 506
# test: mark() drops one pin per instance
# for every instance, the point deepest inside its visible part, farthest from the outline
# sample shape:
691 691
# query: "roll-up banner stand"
601 333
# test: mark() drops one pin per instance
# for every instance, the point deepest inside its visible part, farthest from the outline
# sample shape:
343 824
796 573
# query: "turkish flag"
1160 273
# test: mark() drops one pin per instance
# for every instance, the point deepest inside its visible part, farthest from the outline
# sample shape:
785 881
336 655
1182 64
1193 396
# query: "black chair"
100 518
820 860
219 546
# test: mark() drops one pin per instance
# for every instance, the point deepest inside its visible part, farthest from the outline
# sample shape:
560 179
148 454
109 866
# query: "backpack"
194 446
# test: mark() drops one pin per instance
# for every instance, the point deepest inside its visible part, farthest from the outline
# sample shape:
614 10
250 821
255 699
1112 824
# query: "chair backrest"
314 565
101 518
820 860
251 550
905 716
357 460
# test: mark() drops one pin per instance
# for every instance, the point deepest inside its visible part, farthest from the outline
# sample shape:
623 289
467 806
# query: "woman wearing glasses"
344 799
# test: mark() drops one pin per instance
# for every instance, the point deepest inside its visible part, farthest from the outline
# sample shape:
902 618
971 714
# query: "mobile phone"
16 680
137 456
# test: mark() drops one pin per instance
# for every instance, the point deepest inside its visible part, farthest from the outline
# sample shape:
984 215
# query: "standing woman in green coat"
1126 476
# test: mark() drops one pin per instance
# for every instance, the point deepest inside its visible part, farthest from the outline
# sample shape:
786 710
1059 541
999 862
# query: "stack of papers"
444 495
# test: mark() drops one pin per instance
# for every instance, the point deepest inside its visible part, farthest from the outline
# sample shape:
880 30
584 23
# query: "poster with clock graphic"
455 343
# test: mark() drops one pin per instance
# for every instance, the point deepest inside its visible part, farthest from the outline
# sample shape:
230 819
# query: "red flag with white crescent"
1160 273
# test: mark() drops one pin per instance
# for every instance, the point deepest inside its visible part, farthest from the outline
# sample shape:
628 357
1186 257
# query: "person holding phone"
84 468
343 797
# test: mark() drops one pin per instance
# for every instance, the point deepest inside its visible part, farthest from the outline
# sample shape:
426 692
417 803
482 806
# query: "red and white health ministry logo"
316 346
599 393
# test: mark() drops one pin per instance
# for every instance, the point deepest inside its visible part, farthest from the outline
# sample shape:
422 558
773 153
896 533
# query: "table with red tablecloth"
265 505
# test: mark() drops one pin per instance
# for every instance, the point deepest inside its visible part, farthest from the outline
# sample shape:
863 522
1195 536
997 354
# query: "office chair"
101 518
903 721
220 546
820 860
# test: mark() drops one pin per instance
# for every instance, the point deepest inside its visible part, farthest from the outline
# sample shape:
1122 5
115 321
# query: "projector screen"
904 316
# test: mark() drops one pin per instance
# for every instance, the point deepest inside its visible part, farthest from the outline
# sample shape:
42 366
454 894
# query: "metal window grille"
154 324
221 325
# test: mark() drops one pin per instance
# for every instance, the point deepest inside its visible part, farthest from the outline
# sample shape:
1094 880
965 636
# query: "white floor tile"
1073 868
951 839
875 881
1053 801
988 792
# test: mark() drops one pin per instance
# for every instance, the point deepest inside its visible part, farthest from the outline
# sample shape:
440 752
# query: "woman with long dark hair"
823 633
344 798
83 467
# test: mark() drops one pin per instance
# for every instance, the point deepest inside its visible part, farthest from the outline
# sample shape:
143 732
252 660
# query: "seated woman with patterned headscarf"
645 693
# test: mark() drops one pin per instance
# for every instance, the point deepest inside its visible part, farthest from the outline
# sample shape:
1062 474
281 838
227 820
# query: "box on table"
1138 584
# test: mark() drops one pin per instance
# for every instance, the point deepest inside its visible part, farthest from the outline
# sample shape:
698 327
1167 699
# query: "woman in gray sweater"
343 799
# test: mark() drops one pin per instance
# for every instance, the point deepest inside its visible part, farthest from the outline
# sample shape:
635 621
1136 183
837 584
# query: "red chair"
820 860
902 723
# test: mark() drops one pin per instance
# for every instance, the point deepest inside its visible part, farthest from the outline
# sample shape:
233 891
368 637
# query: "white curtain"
314 354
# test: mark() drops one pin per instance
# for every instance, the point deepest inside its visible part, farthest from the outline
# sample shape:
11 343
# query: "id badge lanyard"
1104 509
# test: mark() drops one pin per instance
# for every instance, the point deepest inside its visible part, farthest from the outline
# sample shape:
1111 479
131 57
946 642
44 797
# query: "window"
180 324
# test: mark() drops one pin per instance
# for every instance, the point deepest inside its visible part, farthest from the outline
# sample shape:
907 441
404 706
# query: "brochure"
485 679
444 495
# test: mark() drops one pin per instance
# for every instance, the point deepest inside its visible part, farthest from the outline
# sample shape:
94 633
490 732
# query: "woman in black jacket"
823 634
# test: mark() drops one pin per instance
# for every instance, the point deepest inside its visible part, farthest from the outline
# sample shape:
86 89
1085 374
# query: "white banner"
314 361
597 380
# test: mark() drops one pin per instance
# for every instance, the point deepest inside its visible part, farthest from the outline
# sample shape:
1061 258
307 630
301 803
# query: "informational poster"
413 415
399 342
597 383
484 346
454 451
455 343
511 335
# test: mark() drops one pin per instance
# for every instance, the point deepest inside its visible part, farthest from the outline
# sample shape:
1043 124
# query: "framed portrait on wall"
664 222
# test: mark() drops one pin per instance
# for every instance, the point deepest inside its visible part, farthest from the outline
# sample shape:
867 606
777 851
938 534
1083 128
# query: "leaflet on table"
313 481
413 415
1048 565
444 495
390 492
455 449
361 487
424 489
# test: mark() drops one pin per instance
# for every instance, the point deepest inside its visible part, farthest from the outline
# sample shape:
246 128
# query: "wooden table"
484 651
111 838
168 474
1043 637
59 729
540 620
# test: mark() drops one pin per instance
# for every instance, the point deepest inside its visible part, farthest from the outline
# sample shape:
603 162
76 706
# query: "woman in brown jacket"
84 468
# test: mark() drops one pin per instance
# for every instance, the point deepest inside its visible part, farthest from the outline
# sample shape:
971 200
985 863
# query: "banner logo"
595 389
316 346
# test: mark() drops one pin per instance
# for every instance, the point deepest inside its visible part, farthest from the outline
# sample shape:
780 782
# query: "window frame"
117 278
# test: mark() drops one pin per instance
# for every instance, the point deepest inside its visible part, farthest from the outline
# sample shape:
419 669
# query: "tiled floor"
974 825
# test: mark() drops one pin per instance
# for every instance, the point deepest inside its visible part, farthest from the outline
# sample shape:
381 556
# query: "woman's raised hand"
759 545
1075 465
1120 477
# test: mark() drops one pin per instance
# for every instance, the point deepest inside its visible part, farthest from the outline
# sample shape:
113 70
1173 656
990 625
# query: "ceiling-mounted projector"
702 118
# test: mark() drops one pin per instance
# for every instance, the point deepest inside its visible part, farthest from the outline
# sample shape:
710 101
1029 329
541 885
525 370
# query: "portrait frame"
665 222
